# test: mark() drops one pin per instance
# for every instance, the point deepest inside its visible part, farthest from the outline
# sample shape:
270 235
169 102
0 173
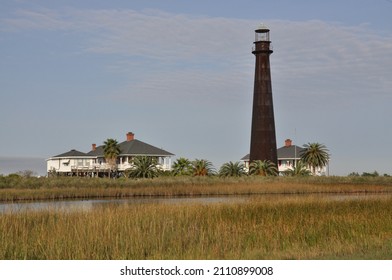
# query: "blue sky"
179 74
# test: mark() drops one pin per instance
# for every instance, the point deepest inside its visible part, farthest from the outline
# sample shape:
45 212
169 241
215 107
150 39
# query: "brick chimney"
288 142
130 136
93 147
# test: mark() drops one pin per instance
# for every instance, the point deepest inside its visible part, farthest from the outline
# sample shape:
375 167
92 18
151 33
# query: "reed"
288 227
12 189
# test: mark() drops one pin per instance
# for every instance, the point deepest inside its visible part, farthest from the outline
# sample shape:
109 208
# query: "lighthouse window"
262 36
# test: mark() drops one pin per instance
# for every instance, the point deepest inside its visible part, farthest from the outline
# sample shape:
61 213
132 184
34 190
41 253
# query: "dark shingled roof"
292 151
97 152
246 157
285 152
72 153
134 148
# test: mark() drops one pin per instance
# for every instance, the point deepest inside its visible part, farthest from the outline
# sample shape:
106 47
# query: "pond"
90 204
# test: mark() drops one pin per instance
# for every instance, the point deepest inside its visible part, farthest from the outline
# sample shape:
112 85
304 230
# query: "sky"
179 74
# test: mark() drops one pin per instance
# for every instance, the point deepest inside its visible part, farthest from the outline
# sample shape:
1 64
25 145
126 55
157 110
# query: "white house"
288 157
93 163
69 162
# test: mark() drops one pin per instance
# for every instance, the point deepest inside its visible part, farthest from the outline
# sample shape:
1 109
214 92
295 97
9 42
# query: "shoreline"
76 188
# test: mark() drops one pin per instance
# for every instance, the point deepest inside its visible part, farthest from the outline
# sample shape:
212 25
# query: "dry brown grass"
286 227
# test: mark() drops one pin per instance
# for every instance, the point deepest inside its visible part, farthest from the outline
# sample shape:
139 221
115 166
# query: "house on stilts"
93 163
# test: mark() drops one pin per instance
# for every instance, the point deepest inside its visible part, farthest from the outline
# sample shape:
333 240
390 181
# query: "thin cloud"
135 33
314 51
330 57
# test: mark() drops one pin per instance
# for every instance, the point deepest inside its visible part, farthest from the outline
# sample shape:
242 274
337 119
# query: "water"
90 204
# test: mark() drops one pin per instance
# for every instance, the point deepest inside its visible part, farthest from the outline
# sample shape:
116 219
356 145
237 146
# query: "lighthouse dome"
262 28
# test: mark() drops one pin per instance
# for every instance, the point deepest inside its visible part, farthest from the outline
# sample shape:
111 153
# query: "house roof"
134 148
72 153
285 152
97 152
246 158
291 152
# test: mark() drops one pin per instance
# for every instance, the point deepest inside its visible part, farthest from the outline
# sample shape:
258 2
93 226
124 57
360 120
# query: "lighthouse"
263 136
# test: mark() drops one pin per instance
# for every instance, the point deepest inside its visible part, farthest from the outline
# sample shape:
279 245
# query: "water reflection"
90 204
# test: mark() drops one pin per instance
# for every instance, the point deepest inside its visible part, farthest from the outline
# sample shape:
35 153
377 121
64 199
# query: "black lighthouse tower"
263 136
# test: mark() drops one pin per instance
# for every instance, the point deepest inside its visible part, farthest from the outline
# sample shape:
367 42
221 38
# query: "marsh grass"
13 189
288 227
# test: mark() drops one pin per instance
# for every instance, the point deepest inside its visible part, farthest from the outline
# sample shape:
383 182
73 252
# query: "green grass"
287 227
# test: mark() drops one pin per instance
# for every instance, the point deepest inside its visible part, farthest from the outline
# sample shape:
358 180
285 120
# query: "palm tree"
299 170
143 167
182 166
315 155
202 167
263 168
111 150
232 169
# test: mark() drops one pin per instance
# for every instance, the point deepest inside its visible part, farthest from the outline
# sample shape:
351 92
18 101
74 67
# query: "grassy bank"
283 228
13 189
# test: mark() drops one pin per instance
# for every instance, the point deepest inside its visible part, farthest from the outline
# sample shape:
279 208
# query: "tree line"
314 155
